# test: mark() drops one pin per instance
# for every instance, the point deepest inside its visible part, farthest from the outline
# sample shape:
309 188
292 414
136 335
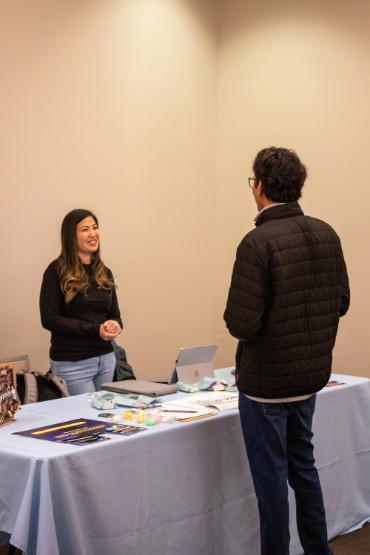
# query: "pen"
177 410
81 438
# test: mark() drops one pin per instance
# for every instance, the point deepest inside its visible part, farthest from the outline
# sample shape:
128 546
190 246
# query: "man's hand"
109 330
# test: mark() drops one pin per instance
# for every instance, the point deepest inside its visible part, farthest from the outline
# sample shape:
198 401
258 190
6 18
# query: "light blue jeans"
85 376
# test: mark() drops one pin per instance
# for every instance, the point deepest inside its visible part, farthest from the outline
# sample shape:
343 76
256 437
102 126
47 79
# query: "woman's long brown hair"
72 275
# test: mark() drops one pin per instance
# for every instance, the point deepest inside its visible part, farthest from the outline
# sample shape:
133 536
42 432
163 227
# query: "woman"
78 304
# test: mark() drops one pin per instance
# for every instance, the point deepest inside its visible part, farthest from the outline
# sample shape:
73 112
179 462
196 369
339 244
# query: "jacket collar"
288 210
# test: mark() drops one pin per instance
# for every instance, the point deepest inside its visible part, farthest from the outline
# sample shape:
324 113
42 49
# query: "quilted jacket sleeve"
346 291
247 297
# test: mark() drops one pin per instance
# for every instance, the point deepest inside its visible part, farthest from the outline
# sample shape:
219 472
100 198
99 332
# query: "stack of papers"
220 400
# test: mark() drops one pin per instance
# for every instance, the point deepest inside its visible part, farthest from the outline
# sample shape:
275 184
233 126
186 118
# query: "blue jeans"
85 376
278 441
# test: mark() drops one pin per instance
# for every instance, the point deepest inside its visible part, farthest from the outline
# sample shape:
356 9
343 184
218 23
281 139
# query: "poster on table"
80 431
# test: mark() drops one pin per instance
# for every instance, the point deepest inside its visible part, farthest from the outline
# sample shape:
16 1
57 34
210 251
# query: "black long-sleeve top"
75 326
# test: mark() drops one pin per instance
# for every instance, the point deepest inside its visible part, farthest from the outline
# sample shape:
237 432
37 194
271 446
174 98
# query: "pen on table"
80 438
177 410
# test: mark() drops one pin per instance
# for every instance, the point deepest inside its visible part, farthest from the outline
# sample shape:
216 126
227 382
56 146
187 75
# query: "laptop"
192 364
195 363
141 387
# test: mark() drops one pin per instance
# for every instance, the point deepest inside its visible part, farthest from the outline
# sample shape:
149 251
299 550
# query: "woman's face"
87 238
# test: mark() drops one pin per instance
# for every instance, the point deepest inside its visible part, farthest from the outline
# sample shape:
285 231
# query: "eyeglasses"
251 181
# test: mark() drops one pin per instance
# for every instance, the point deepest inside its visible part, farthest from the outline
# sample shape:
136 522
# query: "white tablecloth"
177 489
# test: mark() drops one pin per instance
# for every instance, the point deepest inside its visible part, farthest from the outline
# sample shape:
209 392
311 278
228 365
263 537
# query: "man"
288 289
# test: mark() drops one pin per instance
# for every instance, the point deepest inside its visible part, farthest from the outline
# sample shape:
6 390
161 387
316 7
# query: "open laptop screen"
195 363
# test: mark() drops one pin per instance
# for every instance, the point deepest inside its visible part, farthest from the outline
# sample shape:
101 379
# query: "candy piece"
116 419
128 415
157 418
150 422
141 417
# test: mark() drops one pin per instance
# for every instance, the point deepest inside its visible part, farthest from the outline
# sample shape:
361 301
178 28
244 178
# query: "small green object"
150 422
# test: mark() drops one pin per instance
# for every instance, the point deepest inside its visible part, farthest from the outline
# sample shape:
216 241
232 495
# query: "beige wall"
150 113
296 74
110 105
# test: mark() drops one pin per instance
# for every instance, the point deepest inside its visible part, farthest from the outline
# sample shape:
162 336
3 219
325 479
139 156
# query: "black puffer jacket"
288 289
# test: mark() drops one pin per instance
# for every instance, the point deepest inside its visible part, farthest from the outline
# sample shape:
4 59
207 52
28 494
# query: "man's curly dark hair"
281 172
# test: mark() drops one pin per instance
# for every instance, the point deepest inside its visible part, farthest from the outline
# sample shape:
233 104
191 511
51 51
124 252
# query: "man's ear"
259 188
